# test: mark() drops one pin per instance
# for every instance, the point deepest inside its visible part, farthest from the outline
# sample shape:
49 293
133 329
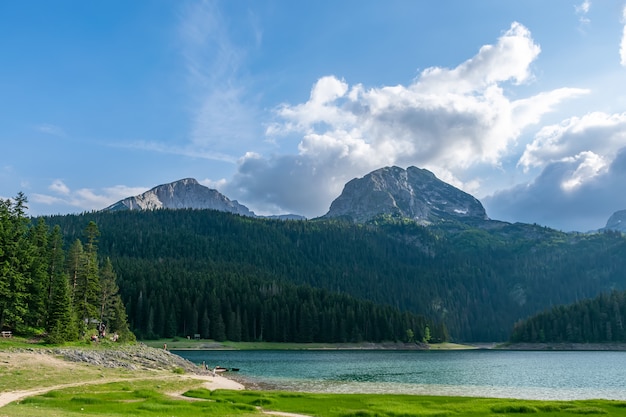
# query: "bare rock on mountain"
412 193
183 194
617 222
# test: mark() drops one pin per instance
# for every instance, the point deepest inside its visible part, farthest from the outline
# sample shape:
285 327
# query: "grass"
149 398
130 398
20 372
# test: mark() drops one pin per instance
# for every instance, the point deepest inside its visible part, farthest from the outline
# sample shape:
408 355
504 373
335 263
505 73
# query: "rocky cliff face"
183 194
617 222
412 193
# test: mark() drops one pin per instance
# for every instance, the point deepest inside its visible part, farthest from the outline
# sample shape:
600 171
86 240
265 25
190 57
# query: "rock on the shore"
132 357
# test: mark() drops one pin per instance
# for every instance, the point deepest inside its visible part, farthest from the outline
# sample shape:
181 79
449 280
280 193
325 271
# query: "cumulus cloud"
84 198
577 193
597 132
583 162
446 120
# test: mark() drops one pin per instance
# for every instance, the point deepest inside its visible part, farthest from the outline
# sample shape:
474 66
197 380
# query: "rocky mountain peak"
617 222
182 194
413 193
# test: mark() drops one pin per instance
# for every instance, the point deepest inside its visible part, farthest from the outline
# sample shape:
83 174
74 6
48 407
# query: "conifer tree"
38 288
61 320
119 321
15 261
86 297
75 266
108 291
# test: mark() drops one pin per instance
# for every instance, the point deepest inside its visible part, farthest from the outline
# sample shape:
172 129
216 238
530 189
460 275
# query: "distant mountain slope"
183 194
412 193
617 222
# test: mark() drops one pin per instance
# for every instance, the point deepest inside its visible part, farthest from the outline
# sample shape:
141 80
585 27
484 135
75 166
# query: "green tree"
39 283
426 337
410 336
15 262
108 291
119 321
87 293
61 320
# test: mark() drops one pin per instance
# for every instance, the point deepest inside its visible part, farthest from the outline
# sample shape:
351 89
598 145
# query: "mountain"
617 222
183 194
189 194
412 193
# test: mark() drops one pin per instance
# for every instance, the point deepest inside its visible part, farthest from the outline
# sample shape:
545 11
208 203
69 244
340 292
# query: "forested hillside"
478 281
596 320
223 276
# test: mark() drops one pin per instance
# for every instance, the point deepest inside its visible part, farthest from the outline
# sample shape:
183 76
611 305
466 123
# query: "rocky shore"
131 357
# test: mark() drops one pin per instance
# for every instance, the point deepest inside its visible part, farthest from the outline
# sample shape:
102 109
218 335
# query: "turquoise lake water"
484 373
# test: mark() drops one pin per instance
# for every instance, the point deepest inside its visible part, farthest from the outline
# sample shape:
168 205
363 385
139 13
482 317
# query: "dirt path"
282 414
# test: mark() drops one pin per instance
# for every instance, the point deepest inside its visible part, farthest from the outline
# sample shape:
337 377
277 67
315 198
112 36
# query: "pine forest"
224 276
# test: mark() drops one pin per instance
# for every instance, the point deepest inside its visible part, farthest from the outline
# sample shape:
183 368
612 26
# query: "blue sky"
278 104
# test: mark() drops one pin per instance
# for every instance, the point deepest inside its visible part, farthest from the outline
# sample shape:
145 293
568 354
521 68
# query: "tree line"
596 320
47 289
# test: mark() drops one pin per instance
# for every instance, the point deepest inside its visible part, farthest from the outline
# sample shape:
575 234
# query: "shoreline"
187 345
548 347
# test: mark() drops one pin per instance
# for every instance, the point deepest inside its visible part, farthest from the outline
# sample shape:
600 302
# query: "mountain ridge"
185 193
188 193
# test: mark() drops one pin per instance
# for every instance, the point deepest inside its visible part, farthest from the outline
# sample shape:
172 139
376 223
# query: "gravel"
131 357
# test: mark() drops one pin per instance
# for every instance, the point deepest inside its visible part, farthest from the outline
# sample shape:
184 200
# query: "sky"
277 104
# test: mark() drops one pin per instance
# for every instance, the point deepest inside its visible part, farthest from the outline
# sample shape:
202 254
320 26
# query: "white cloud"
85 198
597 132
578 193
589 166
222 113
446 120
583 162
508 60
216 185
582 10
59 187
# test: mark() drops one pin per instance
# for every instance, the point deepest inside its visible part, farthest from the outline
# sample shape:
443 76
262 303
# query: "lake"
485 373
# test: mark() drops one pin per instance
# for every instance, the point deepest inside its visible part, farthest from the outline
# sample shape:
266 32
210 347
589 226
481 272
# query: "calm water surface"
485 373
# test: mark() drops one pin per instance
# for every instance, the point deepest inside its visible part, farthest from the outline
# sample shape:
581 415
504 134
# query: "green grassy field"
152 398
